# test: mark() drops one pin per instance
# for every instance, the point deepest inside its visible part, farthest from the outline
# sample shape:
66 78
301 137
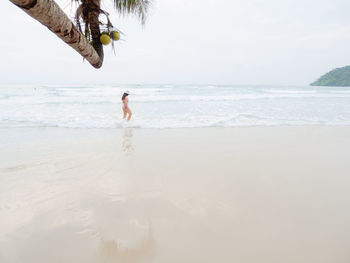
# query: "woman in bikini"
126 108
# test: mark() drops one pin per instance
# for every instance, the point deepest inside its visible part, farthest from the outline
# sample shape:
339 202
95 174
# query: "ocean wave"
173 106
93 99
237 120
278 91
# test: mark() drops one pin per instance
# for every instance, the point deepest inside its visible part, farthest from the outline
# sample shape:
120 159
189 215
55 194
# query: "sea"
172 106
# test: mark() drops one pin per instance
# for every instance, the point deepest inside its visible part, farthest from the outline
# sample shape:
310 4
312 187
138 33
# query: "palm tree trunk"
93 12
48 13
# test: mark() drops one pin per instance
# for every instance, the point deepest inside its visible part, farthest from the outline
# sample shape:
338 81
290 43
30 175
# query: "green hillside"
339 77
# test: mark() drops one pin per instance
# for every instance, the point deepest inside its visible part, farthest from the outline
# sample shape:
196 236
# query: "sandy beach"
257 194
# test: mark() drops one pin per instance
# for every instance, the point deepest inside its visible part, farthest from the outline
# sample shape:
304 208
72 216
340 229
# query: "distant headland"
339 77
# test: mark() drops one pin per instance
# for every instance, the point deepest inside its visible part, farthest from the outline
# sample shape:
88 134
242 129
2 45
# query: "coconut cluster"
106 37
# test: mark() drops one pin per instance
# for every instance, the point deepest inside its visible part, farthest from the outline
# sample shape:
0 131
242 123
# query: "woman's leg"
130 113
125 112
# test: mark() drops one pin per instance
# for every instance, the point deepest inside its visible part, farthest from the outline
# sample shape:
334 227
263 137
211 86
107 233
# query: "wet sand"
264 194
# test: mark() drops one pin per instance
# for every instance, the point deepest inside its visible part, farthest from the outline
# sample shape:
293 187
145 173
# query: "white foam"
172 106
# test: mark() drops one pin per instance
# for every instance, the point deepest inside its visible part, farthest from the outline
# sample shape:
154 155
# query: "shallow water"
171 106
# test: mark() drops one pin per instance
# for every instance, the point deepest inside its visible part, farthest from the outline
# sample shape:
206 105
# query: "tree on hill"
85 35
339 77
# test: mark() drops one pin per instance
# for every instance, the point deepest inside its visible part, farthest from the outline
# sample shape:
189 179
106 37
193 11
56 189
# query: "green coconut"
105 39
115 35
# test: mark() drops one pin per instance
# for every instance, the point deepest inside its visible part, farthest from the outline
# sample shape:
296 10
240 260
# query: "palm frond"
136 7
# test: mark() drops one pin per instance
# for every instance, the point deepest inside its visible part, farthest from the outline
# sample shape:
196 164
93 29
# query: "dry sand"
267 195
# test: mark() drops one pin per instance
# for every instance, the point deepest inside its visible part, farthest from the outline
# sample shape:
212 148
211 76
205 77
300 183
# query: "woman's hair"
125 95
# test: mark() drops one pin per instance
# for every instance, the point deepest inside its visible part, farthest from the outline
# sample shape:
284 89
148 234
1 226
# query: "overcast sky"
287 42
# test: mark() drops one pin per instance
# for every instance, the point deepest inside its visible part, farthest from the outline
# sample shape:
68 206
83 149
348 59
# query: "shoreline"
182 128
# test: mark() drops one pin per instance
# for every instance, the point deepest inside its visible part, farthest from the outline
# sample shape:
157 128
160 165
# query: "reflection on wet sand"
93 200
127 143
111 252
